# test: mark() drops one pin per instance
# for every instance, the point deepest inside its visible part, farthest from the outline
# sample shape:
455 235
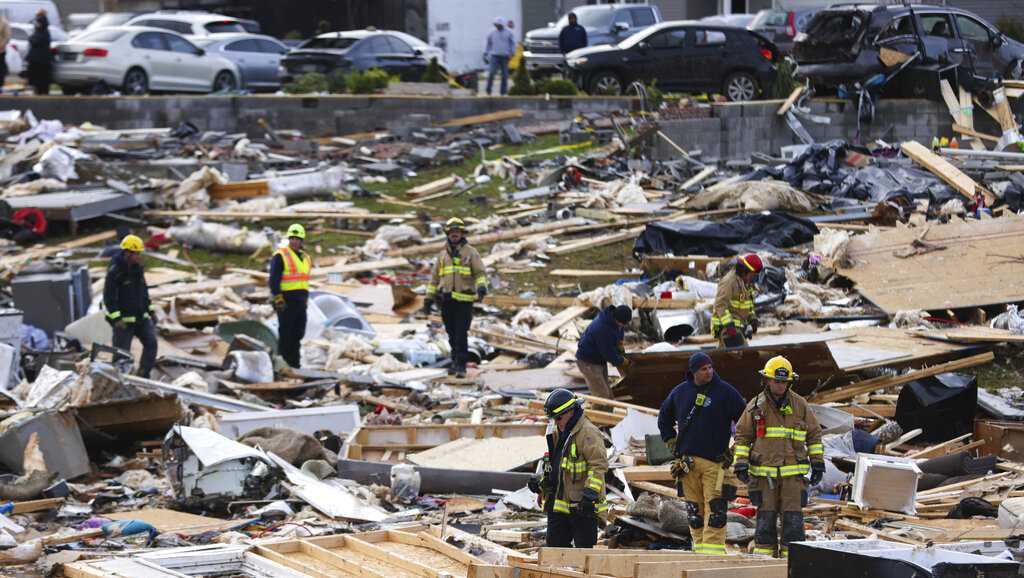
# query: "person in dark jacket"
573 36
40 59
126 299
602 344
697 416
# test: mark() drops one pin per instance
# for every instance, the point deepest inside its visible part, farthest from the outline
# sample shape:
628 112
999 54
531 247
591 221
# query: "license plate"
69 56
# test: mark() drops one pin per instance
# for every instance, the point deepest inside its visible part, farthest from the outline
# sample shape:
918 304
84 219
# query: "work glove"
428 305
586 507
624 366
279 302
742 472
817 472
481 292
679 468
534 484
753 325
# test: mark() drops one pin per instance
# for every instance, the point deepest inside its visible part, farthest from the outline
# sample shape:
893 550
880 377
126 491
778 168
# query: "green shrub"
294 35
1012 27
558 87
785 79
433 72
522 84
323 27
337 82
655 98
369 82
306 83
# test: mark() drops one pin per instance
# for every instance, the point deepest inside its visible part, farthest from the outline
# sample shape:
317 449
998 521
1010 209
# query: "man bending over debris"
733 320
601 344
698 416
126 298
573 485
289 285
778 441
457 271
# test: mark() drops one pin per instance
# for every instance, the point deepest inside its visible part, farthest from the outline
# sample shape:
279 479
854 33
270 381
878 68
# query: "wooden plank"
564 317
625 566
499 116
349 214
937 449
490 455
656 489
648 473
490 571
435 186
887 381
595 401
362 267
675 569
165 520
971 132
599 241
359 545
788 104
174 290
291 561
552 228
868 531
943 169
36 505
701 176
769 570
239 190
686 263
42 252
577 558
967 117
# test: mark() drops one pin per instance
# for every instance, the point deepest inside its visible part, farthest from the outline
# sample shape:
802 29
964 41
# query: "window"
377 45
97 36
331 42
149 41
271 47
224 26
672 38
901 26
971 29
398 46
642 17
179 44
708 37
937 25
179 27
18 34
243 46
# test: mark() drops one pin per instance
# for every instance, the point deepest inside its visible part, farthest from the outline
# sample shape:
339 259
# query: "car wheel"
136 82
224 82
1016 70
605 82
740 87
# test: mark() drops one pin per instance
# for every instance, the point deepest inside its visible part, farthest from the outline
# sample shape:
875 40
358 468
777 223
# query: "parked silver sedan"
256 56
137 60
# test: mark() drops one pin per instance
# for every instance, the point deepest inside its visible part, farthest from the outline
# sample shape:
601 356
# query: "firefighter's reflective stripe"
785 432
431 289
562 507
113 315
466 297
295 276
741 452
709 548
452 269
765 551
481 281
594 483
781 471
815 450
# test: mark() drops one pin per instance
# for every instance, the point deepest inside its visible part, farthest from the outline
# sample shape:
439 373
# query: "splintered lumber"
487 238
889 381
788 104
945 170
350 214
938 449
768 570
648 473
347 268
563 318
36 505
595 401
868 531
43 252
577 558
625 566
656 489
599 241
239 190
686 263
499 116
702 175
675 569
442 184
200 287
971 132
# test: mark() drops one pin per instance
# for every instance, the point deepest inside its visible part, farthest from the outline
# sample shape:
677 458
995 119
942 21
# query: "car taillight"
767 54
791 25
53 51
97 52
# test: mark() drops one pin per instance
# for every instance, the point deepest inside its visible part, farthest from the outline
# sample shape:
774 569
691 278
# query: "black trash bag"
943 406
970 507
185 130
768 230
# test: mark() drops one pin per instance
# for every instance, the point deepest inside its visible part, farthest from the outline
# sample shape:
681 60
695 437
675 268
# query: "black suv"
683 56
355 50
844 43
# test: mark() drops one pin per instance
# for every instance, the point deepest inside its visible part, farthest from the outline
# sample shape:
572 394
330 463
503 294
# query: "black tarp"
740 233
943 406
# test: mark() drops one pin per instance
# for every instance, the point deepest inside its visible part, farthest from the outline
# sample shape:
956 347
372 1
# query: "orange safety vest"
295 276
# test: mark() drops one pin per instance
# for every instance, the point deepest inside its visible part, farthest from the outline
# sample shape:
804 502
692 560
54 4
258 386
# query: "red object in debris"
32 218
748 511
791 24
156 241
767 54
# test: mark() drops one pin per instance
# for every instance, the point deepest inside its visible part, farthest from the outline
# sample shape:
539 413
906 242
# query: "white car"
188 23
138 60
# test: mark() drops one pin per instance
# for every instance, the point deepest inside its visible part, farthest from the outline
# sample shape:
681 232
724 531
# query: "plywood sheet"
165 520
977 268
486 455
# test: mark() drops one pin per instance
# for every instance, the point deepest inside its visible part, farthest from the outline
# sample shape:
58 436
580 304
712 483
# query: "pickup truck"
605 24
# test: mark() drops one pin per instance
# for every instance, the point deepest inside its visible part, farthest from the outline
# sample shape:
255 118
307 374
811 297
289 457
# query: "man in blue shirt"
697 418
501 45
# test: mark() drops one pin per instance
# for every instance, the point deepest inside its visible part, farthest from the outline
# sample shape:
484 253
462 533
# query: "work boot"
889 432
460 372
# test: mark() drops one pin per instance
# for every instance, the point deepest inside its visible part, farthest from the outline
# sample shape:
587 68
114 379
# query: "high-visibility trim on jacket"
295 276
764 551
458 271
788 439
582 467
734 303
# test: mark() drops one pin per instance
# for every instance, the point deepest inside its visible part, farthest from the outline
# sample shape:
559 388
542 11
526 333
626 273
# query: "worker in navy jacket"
602 344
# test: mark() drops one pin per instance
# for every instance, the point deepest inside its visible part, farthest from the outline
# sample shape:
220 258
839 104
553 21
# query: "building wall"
71 6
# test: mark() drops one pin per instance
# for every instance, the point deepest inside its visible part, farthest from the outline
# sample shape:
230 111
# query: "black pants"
457 316
144 330
571 530
291 326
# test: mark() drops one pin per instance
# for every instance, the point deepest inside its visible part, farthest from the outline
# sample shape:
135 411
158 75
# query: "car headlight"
578 61
800 37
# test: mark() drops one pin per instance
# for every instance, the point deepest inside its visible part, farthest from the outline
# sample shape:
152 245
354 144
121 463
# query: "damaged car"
851 43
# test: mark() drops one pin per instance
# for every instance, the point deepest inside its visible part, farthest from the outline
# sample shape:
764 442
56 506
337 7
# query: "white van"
25 11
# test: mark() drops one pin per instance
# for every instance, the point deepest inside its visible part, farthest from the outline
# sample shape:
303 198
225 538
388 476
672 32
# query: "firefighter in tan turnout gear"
732 318
458 279
572 483
778 442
